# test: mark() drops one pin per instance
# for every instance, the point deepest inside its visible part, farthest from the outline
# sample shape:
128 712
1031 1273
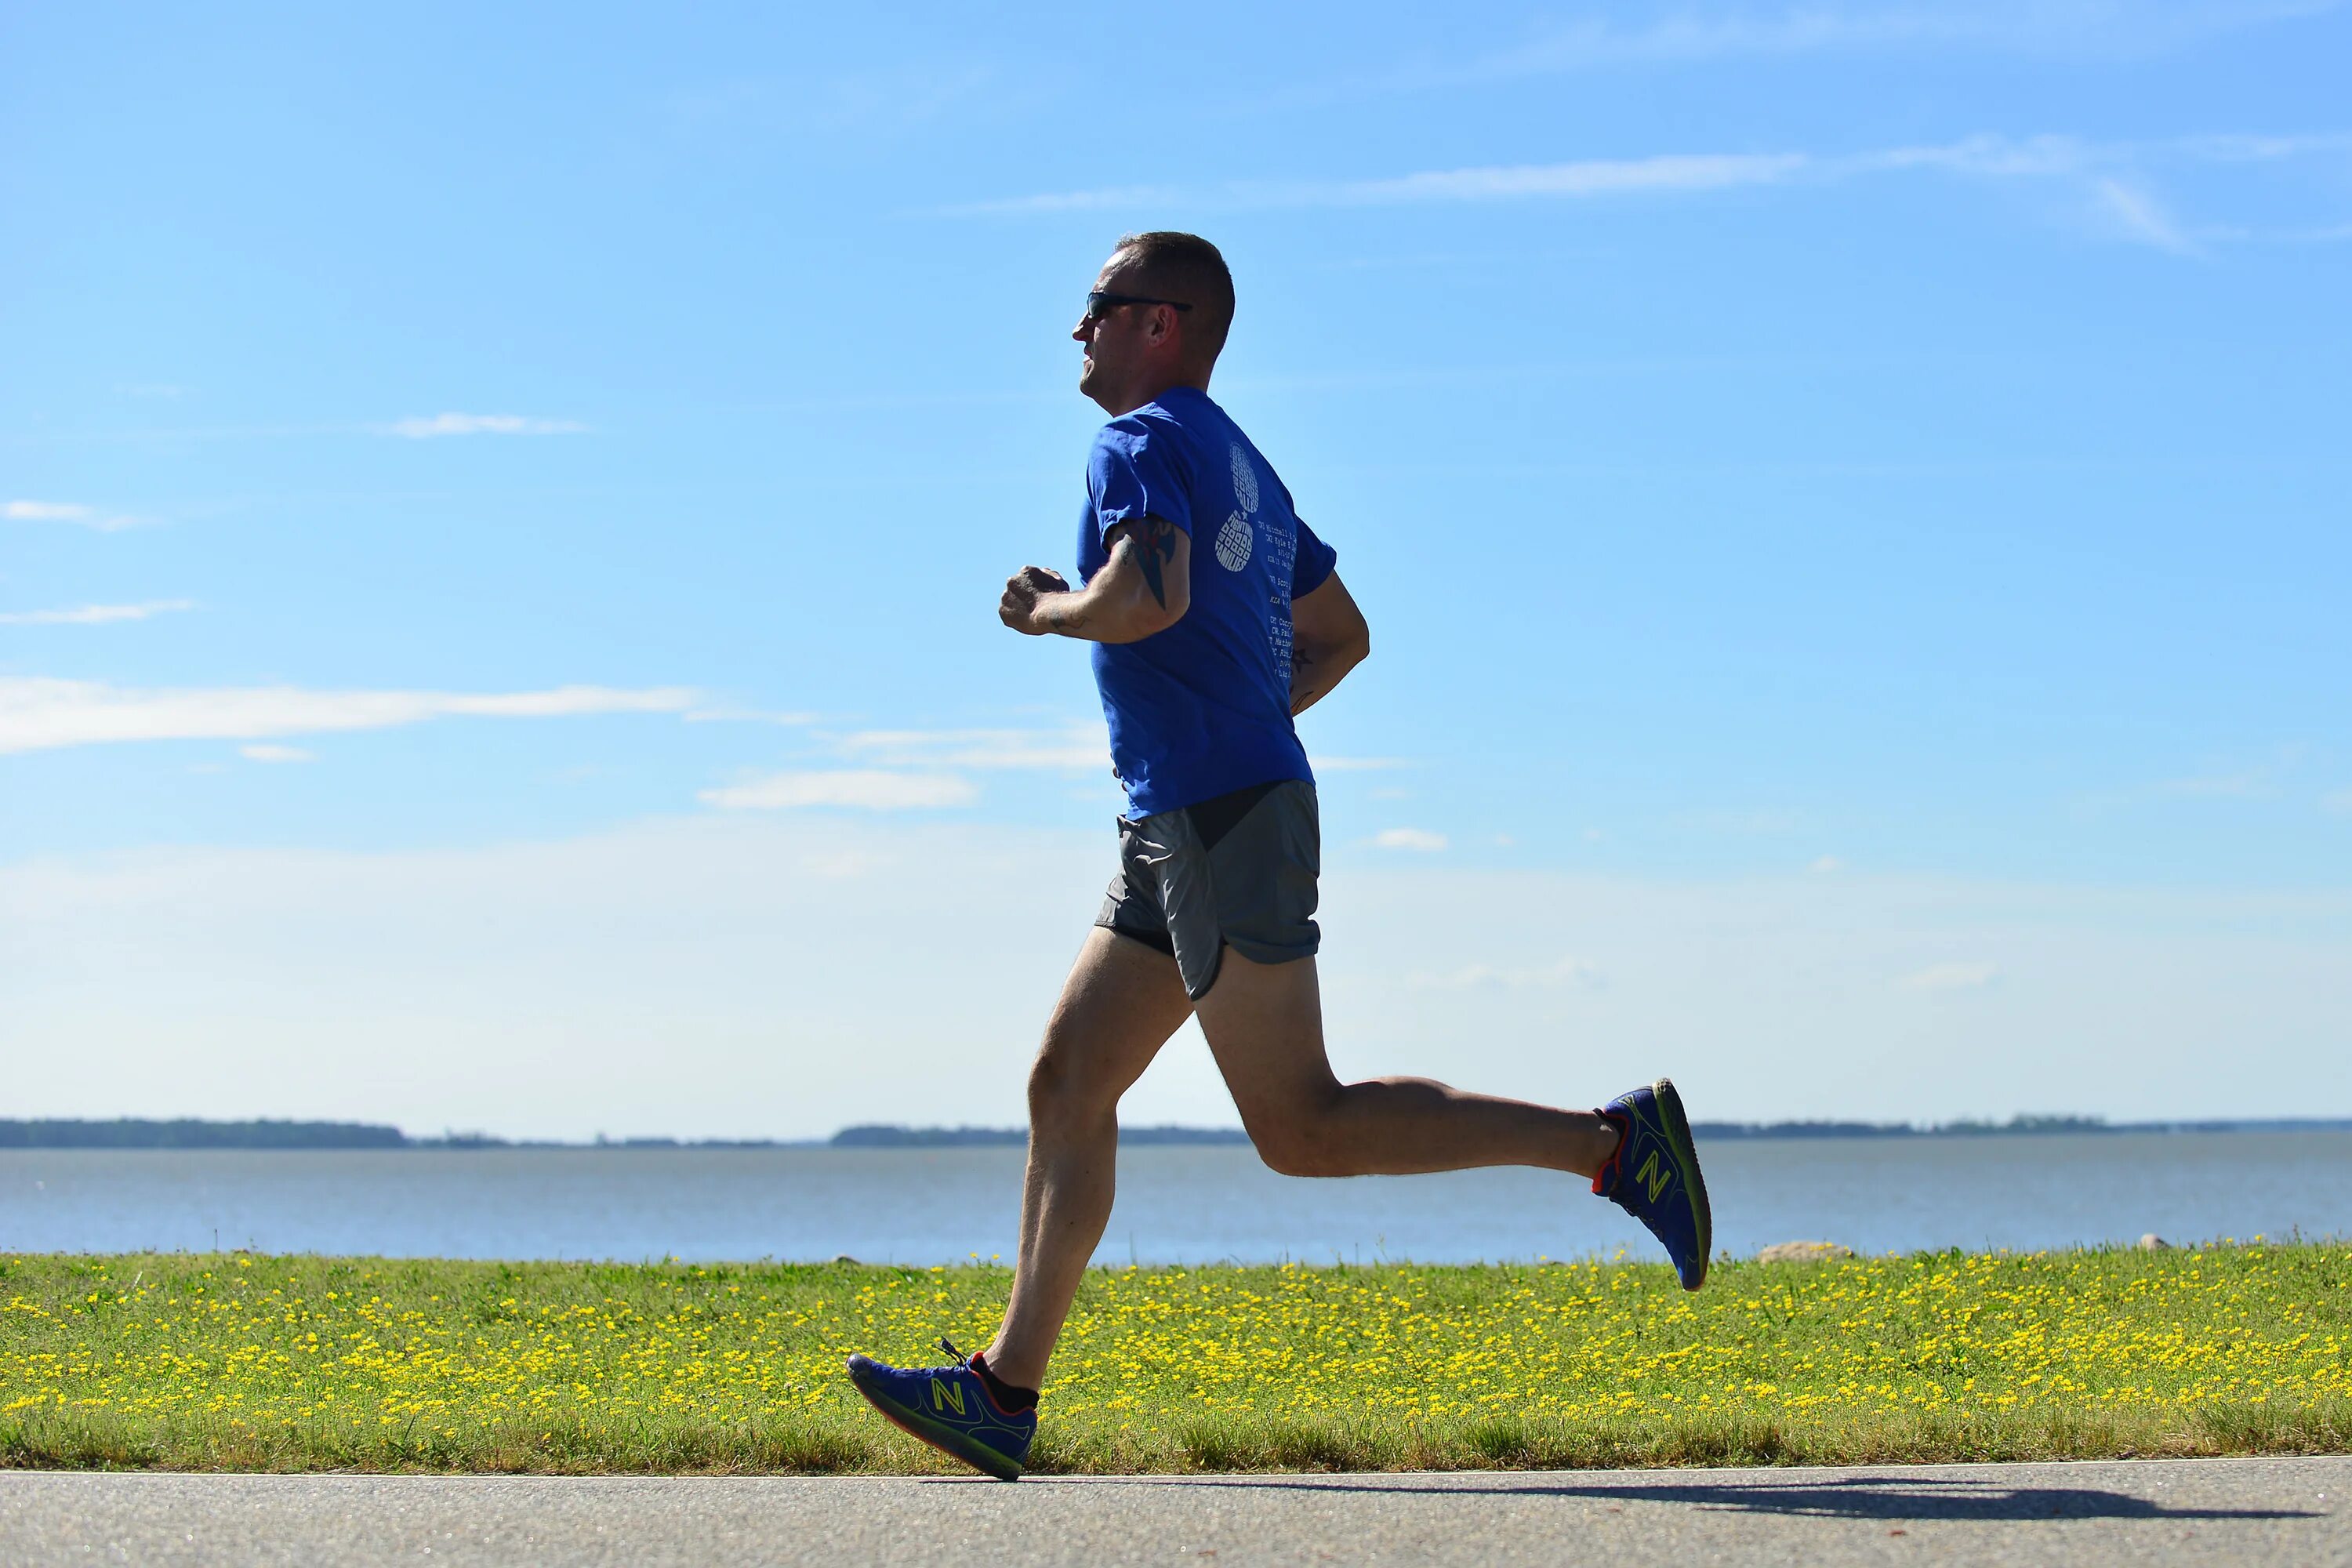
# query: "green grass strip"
243 1361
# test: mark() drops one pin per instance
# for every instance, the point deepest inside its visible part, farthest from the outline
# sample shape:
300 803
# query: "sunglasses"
1099 304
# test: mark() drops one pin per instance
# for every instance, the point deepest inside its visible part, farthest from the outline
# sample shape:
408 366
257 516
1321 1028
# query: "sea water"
1176 1204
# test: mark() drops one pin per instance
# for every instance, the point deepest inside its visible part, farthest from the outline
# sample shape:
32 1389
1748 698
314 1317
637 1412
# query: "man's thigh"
1263 1023
1122 1000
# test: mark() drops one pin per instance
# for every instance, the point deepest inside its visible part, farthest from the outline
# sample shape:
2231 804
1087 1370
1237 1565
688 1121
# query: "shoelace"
964 1362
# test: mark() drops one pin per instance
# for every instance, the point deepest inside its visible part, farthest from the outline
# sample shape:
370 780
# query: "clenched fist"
1023 593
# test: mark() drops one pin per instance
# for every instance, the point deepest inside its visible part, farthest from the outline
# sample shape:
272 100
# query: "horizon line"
186 1133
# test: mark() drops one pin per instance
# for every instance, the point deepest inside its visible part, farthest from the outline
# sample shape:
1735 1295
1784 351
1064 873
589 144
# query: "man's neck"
1152 392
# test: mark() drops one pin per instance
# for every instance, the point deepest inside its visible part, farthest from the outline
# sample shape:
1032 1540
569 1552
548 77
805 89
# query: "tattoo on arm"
1062 616
1155 541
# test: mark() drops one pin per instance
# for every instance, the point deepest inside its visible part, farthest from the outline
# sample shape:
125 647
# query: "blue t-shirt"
1203 707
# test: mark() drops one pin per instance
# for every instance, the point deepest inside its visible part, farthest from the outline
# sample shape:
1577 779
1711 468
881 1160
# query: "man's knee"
1300 1141
1051 1088
1061 1091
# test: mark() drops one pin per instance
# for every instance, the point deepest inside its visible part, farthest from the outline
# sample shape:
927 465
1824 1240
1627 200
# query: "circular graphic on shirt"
1234 542
1245 485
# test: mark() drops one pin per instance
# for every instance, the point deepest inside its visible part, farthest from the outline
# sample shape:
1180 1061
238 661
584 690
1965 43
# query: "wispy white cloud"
2101 28
426 427
1067 747
2257 149
1419 840
1827 865
2221 782
87 517
1562 973
2248 784
1583 177
2255 781
866 789
1759 823
273 753
1951 977
1070 747
2240 234
94 615
1983 156
724 715
2110 180
1579 178
2338 803
2136 214
39 713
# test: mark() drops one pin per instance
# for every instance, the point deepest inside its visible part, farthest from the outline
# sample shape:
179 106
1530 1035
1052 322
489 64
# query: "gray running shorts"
1239 868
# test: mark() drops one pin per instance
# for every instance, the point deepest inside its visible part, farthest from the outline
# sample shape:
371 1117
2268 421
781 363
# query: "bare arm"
1144 589
1328 638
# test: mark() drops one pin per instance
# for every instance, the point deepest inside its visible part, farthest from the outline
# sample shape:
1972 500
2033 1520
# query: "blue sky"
500 520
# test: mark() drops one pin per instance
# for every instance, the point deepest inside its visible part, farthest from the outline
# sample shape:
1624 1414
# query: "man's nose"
1083 331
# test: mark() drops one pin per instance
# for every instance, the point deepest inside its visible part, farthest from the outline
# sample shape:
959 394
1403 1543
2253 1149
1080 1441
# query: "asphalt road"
2266 1512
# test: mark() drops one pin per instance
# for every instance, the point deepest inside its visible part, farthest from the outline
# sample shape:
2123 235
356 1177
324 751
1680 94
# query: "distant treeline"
195 1134
132 1133
191 1134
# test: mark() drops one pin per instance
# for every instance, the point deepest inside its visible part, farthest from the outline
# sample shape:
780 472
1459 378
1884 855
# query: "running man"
1216 618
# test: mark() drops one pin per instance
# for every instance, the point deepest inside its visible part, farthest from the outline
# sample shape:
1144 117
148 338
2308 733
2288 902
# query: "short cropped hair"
1185 267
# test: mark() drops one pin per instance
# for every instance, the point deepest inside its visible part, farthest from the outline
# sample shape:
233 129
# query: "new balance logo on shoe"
1653 1175
946 1394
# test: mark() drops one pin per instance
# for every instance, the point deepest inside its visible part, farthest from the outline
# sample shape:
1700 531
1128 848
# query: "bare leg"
1264 1024
1119 1007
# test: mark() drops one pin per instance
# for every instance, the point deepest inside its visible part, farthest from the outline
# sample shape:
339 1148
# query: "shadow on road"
1893 1497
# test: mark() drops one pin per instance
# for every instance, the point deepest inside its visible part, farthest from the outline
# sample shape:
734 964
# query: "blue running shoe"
1653 1176
949 1407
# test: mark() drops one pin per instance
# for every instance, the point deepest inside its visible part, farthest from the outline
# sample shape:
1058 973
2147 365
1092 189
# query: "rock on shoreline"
1804 1252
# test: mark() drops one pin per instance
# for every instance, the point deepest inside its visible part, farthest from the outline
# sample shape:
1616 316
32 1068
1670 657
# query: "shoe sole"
1678 1136
946 1439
